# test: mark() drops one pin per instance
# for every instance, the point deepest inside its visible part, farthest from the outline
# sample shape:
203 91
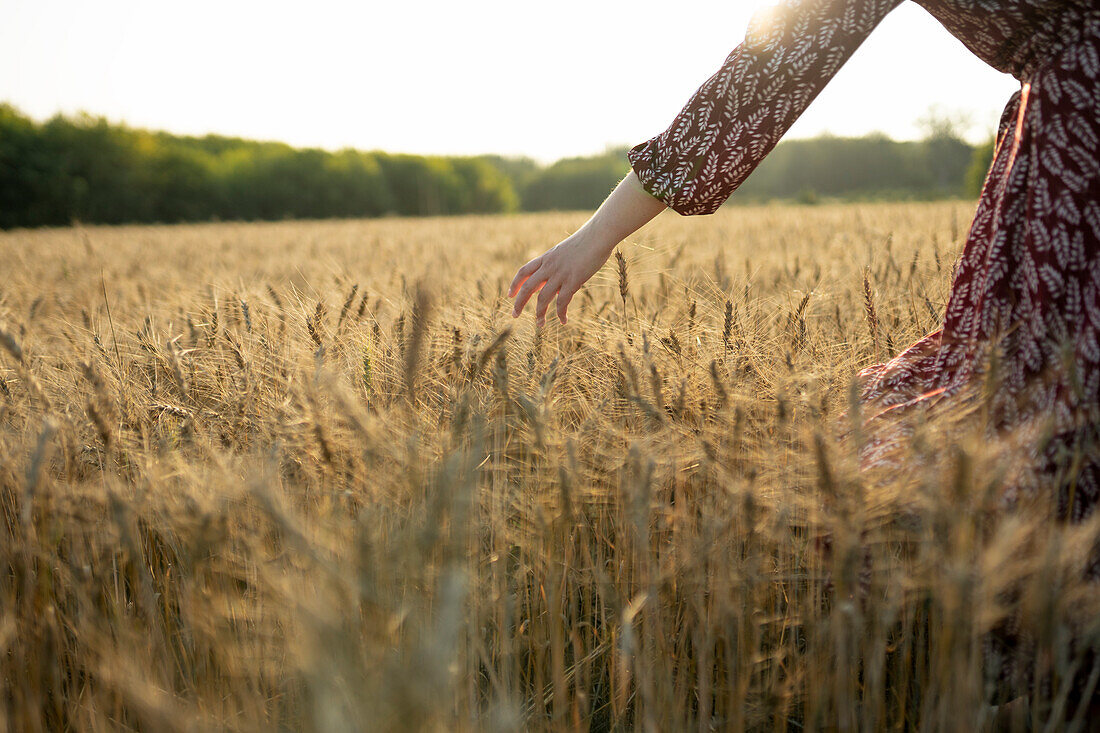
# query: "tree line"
84 168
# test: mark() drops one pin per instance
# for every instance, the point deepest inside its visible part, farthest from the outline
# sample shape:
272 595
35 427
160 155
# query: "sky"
546 80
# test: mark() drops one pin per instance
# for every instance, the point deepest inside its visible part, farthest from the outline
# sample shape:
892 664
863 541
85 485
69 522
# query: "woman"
1026 295
1028 280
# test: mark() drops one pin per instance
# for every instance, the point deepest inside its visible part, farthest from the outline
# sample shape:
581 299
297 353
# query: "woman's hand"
566 267
561 271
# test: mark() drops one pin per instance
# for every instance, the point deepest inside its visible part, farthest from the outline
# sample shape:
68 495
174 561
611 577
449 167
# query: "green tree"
575 183
99 163
421 185
32 184
980 161
485 188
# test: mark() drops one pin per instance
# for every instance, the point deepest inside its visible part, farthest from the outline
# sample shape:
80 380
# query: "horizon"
611 148
442 85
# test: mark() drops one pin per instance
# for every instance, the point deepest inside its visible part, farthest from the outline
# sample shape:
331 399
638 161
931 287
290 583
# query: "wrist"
597 238
627 209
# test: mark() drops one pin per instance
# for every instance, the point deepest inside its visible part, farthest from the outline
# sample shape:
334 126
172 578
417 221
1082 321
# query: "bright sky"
548 80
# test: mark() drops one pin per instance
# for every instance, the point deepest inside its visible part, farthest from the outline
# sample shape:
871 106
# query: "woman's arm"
563 269
792 49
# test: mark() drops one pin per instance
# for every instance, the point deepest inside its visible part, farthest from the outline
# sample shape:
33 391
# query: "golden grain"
427 516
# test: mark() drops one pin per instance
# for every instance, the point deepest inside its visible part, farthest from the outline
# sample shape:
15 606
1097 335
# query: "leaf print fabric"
739 114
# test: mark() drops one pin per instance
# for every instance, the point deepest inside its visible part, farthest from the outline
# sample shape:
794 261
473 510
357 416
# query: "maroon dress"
1024 310
1026 294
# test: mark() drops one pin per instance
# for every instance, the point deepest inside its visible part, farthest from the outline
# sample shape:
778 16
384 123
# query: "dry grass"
311 476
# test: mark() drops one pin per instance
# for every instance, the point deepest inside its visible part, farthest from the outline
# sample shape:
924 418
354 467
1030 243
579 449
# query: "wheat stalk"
869 309
624 278
420 313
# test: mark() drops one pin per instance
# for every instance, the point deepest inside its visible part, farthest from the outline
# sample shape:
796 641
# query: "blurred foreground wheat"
310 476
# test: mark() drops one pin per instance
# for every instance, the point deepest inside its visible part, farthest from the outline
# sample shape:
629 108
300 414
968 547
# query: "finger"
522 274
564 298
545 296
530 287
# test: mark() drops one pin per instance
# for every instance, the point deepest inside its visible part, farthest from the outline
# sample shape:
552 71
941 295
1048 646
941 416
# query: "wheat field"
312 476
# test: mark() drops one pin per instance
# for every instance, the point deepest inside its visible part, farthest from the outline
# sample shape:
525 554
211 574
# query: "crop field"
312 476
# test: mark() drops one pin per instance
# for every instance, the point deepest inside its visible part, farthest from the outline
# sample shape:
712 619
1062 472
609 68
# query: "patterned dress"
1025 303
1024 310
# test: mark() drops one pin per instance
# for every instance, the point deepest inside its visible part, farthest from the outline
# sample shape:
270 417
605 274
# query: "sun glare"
765 14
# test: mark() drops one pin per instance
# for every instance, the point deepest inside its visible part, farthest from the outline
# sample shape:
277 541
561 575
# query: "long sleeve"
739 114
